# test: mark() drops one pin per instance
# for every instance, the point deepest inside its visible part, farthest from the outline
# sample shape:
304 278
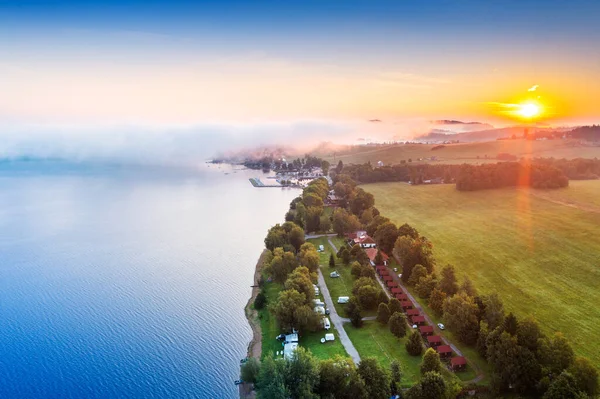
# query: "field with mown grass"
480 152
540 250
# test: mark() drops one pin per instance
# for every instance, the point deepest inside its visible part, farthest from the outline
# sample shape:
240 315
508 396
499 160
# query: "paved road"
338 321
310 236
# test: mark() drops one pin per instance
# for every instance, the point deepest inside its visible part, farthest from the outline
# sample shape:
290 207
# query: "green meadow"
540 250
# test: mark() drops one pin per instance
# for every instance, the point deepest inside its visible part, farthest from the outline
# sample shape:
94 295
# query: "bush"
260 301
397 324
383 313
250 369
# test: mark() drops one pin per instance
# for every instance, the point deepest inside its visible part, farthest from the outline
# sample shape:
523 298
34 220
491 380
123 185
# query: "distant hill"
485 135
590 133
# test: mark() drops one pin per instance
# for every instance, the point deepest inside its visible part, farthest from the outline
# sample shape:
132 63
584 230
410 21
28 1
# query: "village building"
434 340
372 254
426 330
458 363
444 351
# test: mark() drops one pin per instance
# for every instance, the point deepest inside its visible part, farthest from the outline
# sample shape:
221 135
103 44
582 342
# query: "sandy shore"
255 345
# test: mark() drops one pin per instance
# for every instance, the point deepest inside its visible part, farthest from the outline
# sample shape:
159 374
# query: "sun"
529 110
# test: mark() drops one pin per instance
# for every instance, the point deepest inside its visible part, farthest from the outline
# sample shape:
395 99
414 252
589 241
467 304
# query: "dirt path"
582 207
255 345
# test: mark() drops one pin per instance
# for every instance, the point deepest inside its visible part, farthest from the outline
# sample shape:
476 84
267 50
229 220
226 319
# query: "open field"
541 255
309 340
467 152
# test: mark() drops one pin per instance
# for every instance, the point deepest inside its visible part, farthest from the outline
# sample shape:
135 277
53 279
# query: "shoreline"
255 344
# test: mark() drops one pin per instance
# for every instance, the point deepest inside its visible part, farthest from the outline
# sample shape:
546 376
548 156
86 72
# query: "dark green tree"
431 362
376 378
433 386
414 345
397 324
563 387
354 311
250 370
331 260
394 306
386 236
436 301
448 283
585 375
260 301
383 313
417 272
510 324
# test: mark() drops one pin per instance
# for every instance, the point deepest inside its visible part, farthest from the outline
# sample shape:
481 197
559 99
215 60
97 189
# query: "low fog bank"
192 145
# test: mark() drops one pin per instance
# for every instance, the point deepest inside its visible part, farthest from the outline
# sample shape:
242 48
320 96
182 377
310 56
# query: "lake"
127 282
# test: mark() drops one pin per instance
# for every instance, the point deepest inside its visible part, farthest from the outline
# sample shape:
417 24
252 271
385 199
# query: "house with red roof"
434 340
444 351
426 330
458 363
418 320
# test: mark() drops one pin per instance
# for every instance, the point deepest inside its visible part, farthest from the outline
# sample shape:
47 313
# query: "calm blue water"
120 283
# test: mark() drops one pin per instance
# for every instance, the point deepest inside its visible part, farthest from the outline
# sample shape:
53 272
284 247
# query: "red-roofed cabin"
381 269
418 320
392 284
426 330
406 305
383 272
412 312
388 278
458 363
444 350
402 297
397 290
434 340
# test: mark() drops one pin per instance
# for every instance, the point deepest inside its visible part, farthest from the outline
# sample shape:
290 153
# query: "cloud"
533 88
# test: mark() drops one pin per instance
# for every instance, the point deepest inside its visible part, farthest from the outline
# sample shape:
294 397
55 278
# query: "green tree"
300 218
325 167
426 285
431 362
448 283
468 287
460 315
312 200
296 237
375 223
436 301
376 378
385 236
368 271
394 306
397 324
339 167
309 257
344 222
335 377
292 312
250 370
555 353
408 230
302 375
501 355
367 216
346 257
529 333
359 200
414 345
356 269
368 296
511 324
378 258
563 387
271 379
395 376
433 386
417 272
354 311
276 237
361 282
260 301
300 281
313 218
331 261
494 310
325 224
278 270
585 375
383 313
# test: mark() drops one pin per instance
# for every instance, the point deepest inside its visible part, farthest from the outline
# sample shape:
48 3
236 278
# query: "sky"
239 66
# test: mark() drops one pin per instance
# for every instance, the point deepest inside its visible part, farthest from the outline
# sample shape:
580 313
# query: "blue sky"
150 62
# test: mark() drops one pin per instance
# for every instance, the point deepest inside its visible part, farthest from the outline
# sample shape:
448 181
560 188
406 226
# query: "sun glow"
529 110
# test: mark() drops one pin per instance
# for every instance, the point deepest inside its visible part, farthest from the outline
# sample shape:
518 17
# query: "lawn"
535 248
310 341
375 340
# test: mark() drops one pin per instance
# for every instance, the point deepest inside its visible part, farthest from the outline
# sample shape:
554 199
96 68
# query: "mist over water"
127 282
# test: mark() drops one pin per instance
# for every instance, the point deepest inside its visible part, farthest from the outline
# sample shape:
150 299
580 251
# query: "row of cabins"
457 363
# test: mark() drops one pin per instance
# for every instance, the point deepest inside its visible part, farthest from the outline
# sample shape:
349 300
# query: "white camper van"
326 323
343 299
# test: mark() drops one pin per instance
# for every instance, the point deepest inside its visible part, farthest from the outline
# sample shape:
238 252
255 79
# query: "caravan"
326 323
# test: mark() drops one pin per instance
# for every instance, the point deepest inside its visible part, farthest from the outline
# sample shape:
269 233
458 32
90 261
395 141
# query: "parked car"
441 326
327 311
334 274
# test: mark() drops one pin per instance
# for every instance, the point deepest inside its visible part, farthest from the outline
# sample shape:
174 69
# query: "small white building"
319 310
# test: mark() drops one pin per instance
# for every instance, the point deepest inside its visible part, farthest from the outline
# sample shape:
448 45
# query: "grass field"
540 254
467 152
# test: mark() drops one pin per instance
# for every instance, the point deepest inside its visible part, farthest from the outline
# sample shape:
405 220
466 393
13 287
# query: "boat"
238 382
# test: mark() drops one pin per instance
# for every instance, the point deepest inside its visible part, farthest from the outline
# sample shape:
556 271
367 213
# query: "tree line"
538 173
